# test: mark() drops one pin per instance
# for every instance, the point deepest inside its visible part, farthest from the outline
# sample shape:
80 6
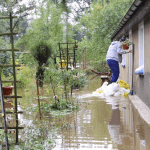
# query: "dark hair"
121 40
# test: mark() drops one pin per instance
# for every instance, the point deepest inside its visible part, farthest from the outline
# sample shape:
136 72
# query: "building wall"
124 71
136 56
141 84
146 86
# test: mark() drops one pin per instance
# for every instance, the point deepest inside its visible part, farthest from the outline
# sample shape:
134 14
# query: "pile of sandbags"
113 89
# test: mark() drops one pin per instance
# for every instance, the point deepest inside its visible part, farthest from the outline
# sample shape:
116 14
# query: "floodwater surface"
102 124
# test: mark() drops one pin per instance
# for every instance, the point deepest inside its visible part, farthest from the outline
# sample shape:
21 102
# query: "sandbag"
114 89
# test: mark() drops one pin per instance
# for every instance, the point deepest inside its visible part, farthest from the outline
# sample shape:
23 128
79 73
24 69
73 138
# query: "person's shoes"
109 82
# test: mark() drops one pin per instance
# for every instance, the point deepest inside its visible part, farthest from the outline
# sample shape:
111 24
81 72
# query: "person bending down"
114 57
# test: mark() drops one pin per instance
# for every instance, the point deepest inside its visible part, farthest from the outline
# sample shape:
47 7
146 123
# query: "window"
141 44
140 69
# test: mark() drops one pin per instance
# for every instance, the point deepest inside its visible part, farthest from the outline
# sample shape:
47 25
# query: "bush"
27 59
78 81
25 75
63 104
41 52
99 66
88 71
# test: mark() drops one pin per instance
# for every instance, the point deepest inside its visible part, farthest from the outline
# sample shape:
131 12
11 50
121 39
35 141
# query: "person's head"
122 39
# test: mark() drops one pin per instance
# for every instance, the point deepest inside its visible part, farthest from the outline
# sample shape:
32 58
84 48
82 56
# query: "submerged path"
103 124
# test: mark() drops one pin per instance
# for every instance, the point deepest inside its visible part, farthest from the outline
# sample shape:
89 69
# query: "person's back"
113 57
112 51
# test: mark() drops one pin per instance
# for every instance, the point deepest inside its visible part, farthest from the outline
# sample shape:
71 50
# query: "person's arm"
121 51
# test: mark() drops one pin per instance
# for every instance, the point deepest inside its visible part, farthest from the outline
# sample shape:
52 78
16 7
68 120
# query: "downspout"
131 91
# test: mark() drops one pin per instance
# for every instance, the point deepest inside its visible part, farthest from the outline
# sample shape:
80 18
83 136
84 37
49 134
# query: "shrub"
41 52
25 75
99 66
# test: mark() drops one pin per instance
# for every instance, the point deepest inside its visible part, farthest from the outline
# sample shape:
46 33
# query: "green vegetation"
92 28
98 26
26 76
5 57
41 52
62 82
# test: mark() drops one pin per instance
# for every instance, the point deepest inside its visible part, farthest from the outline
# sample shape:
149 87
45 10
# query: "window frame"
141 59
140 69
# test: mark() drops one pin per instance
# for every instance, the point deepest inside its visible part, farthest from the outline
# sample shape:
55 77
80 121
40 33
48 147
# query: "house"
136 26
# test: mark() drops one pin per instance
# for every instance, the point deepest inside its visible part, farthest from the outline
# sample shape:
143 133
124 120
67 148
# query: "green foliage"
27 59
100 66
5 57
78 80
2 136
61 105
19 9
25 75
52 75
63 79
53 78
41 51
88 71
99 25
46 28
16 7
36 138
58 78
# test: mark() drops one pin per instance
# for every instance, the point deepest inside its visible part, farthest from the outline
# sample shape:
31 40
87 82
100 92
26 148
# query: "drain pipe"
131 91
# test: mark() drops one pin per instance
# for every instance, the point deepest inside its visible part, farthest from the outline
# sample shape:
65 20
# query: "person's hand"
130 51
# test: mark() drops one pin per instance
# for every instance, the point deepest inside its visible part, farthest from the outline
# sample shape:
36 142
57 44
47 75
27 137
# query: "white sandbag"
112 89
103 87
117 93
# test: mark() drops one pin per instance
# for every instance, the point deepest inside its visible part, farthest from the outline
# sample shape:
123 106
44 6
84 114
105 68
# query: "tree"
20 24
43 36
17 8
99 25
41 52
5 58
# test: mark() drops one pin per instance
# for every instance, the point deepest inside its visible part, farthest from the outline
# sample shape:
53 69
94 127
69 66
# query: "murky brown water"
102 124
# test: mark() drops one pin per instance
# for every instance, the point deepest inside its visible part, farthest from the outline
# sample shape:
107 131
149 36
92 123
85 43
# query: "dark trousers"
114 66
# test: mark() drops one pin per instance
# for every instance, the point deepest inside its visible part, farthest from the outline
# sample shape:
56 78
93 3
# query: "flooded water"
104 124
101 124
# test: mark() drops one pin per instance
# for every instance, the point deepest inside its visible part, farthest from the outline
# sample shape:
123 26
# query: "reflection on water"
103 124
109 124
